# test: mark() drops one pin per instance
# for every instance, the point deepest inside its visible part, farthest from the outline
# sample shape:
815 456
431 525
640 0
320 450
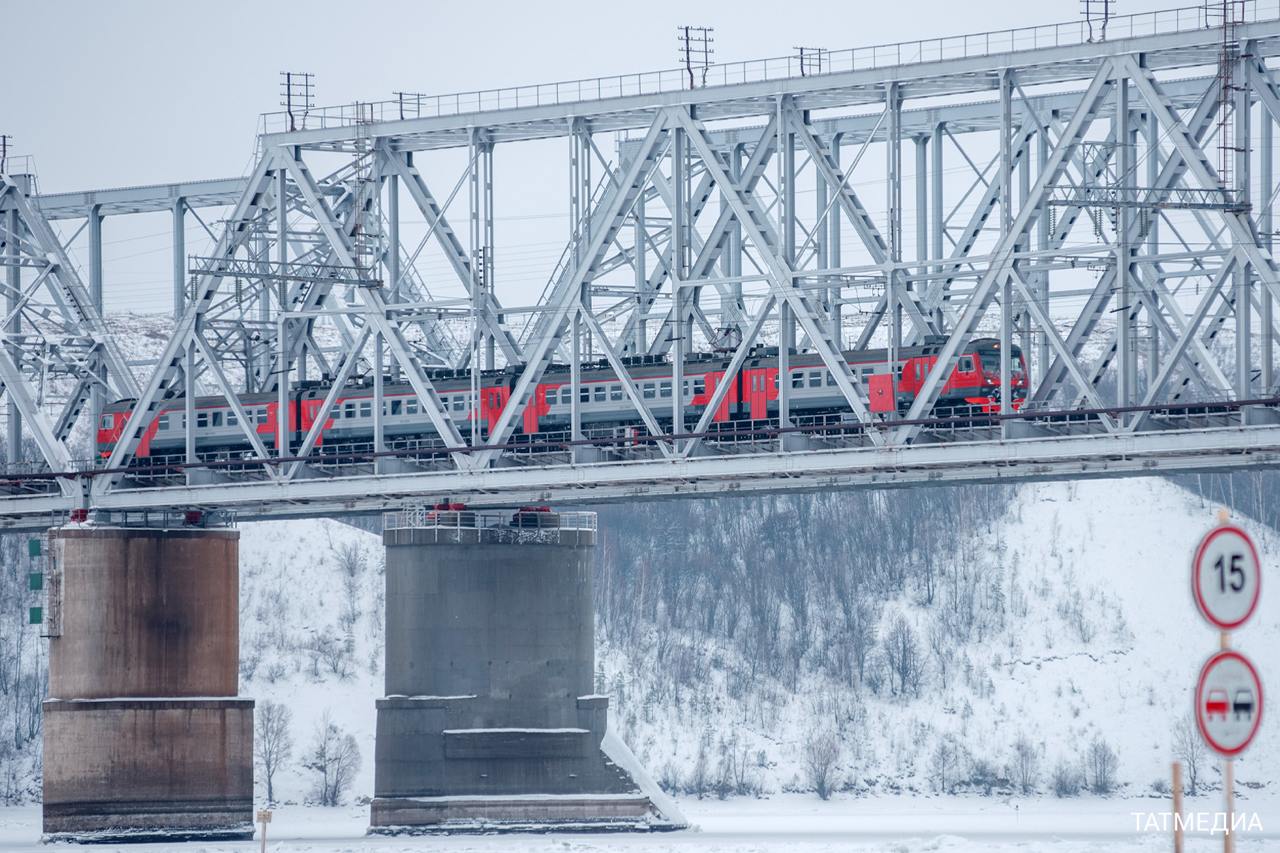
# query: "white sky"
110 94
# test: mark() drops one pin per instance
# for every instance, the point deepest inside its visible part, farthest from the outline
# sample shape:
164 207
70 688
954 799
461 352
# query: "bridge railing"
1069 33
428 518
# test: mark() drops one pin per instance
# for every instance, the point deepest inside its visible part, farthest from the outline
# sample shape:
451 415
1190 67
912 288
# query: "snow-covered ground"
788 822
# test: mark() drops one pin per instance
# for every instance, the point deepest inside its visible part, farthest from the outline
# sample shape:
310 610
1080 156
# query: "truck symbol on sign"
1216 703
1243 704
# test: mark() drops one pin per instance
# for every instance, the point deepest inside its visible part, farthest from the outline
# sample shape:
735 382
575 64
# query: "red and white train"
972 387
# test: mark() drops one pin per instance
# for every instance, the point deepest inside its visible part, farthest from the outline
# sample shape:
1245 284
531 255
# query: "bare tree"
335 758
1025 769
902 651
821 754
944 764
1100 767
272 741
1190 750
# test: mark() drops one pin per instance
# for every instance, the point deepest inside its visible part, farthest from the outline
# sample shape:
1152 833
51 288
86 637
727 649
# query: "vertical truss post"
475 213
13 275
179 213
96 399
833 251
680 240
1006 225
787 233
379 398
893 205
640 324
1242 106
189 402
1266 225
1125 294
1154 163
392 256
938 228
922 204
1044 236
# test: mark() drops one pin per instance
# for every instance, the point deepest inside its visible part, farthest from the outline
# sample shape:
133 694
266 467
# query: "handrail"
1182 19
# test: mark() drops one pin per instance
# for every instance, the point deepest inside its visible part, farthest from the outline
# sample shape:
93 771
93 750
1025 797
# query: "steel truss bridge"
1106 205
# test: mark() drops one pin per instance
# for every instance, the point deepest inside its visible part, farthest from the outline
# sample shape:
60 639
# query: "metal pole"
179 256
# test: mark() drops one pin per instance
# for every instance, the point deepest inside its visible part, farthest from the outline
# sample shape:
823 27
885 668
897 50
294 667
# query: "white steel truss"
1064 200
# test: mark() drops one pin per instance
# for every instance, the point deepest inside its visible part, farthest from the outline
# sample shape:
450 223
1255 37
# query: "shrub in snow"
984 775
1189 748
1065 779
821 754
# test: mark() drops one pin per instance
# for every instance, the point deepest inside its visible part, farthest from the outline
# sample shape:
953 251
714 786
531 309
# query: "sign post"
264 818
1226 582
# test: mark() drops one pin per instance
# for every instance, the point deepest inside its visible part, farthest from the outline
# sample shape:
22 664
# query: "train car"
972 387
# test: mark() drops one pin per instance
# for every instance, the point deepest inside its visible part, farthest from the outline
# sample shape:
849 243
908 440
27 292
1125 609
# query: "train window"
162 423
797 379
815 379
215 419
411 407
965 364
566 394
396 406
349 410
584 394
202 420
601 393
830 378
366 410
699 387
105 423
459 403
615 392
650 391
232 420
664 389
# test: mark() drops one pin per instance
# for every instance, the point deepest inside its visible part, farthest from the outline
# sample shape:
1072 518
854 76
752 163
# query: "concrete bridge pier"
143 734
490 721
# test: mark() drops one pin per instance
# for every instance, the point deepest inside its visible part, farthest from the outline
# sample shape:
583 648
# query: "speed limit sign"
1226 577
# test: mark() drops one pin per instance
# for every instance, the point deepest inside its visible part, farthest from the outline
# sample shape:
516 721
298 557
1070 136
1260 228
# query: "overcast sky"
115 93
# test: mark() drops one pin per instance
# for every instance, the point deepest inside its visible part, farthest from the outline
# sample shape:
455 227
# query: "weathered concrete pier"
143 733
489 719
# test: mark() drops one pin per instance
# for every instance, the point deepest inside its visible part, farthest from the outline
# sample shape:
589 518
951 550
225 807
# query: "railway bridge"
1066 271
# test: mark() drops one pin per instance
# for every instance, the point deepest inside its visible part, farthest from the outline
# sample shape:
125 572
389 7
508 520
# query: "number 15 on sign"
1226 578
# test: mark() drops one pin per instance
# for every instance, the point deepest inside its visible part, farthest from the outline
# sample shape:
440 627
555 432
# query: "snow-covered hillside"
1099 642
